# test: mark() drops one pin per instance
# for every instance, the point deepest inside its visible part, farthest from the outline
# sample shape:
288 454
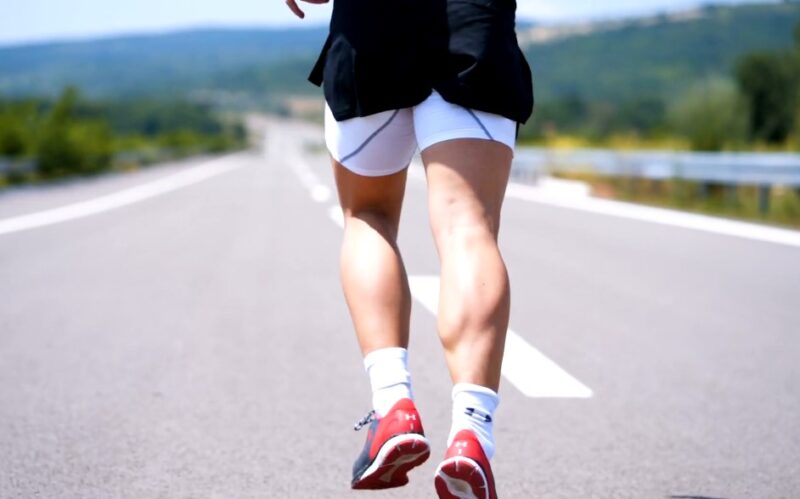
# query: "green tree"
12 138
70 146
797 36
769 83
710 114
17 124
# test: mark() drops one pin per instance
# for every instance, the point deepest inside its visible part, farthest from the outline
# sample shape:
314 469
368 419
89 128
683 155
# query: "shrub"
711 114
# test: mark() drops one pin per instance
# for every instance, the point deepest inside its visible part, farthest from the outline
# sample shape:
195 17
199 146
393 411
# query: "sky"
44 20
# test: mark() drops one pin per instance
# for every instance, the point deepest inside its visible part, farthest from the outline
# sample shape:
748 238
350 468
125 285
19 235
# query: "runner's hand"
299 13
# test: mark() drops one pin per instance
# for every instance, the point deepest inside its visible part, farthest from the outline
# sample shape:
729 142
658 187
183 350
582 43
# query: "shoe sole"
461 478
395 459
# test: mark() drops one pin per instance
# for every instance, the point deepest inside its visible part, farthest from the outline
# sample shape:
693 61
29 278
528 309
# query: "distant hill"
654 56
178 62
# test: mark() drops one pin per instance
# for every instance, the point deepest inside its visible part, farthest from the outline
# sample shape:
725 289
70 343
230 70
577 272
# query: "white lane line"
121 198
524 366
320 193
335 214
294 157
658 215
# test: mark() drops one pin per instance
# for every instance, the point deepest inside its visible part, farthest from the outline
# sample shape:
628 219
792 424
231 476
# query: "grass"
633 141
741 202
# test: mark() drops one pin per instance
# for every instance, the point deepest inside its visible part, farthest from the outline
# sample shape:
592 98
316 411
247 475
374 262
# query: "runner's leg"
377 293
372 271
466 184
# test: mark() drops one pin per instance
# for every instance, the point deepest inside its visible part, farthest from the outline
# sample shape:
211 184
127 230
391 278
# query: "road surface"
180 332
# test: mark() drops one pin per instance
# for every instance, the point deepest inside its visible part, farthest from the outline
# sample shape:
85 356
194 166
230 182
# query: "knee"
379 220
466 242
457 226
451 213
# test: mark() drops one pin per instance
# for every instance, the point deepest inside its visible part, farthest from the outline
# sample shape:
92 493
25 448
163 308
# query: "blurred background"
627 93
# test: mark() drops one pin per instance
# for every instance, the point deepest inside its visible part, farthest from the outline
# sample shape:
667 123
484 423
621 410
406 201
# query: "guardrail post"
763 199
702 191
731 195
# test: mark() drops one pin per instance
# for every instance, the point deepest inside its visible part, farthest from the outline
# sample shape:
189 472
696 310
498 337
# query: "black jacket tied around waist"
390 54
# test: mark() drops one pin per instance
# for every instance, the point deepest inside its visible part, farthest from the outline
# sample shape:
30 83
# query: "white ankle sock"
389 377
473 409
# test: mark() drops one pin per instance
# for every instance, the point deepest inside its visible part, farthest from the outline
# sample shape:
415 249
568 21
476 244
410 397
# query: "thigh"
373 146
467 156
467 179
368 197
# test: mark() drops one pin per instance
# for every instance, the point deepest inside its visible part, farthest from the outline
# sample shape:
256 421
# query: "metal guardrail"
8 166
724 168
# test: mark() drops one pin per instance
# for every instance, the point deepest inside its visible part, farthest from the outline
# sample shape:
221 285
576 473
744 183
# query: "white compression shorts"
384 143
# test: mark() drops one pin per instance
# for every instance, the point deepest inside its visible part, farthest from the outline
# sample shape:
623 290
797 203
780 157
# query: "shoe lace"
370 417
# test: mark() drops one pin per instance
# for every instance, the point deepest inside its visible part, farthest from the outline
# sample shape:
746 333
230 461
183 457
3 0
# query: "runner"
447 77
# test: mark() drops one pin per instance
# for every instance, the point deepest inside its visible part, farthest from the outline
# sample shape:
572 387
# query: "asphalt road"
194 342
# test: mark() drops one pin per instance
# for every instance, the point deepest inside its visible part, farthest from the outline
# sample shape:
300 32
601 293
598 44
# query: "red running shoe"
396 443
465 472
